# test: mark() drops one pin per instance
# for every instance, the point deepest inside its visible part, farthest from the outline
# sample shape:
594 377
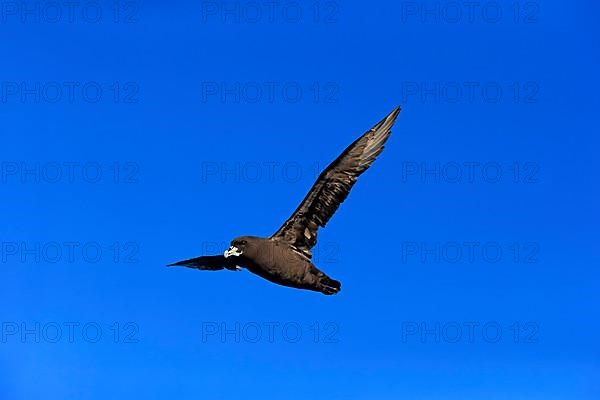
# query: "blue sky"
138 134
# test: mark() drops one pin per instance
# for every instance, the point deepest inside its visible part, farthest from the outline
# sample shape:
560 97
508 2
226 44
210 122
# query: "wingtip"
389 120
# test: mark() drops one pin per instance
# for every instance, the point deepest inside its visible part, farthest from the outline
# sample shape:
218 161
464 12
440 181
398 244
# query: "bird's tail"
329 286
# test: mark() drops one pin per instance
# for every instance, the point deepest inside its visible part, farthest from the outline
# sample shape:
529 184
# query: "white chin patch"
232 251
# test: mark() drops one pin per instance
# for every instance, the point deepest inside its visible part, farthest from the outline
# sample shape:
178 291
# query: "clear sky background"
468 253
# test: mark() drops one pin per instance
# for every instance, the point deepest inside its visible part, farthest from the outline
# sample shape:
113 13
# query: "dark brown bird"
285 257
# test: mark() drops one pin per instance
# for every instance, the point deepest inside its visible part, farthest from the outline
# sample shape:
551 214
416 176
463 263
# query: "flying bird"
285 257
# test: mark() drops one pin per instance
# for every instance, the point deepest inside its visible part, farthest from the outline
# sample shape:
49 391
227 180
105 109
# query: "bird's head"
239 246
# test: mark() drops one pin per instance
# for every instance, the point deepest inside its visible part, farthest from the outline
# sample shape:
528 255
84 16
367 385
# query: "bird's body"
278 262
285 257
271 259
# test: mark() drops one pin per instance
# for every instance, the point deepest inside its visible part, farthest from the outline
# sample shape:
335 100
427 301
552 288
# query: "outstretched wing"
209 263
333 186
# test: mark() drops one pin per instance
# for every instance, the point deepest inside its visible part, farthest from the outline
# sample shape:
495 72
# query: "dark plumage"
285 257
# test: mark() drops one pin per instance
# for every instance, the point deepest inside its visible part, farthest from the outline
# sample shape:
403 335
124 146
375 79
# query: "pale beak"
233 251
